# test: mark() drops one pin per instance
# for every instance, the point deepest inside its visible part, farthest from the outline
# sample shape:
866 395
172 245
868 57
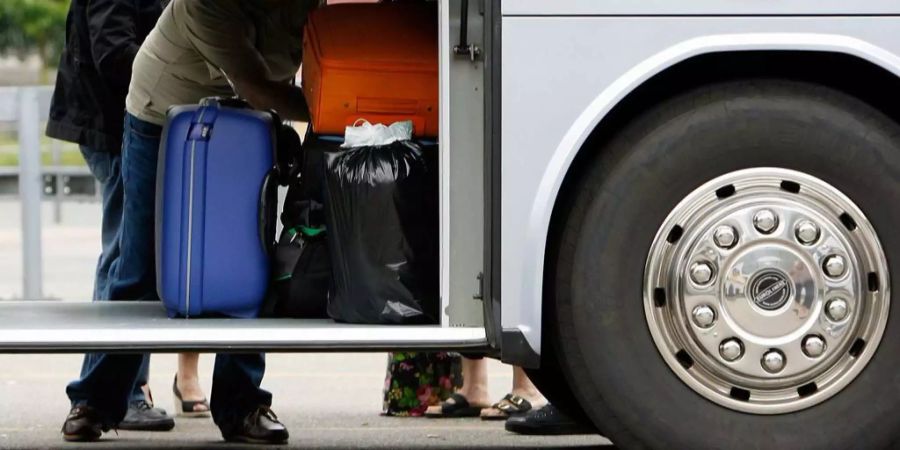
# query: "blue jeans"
107 169
236 388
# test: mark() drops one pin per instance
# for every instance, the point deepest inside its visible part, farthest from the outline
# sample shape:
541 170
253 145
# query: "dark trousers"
107 169
107 386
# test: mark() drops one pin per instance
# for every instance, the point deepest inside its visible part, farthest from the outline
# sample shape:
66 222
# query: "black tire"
596 264
550 378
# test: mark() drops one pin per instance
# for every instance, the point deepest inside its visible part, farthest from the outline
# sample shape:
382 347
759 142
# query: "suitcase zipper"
204 133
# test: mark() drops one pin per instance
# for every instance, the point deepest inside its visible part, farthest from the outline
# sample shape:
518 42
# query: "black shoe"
83 424
547 421
259 427
143 417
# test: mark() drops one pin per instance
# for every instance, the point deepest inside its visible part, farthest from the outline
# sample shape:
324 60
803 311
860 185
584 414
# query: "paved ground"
327 400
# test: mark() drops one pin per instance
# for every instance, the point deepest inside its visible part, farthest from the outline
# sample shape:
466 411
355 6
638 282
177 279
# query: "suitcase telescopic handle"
230 102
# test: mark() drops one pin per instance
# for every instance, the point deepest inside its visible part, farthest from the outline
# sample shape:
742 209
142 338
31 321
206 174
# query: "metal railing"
27 108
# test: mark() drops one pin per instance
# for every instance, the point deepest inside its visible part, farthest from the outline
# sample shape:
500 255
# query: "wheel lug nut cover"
731 349
773 361
765 221
702 273
834 266
807 232
813 346
837 309
725 236
704 316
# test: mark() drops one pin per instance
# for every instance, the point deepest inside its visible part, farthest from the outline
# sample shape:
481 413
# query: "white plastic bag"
364 134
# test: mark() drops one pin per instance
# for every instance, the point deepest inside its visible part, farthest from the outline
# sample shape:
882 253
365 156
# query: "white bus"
680 216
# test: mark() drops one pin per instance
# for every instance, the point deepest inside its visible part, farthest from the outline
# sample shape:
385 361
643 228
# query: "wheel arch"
818 58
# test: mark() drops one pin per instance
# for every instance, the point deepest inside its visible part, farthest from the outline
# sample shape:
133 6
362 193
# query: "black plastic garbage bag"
382 217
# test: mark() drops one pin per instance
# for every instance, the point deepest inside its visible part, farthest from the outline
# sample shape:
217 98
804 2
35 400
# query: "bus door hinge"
464 48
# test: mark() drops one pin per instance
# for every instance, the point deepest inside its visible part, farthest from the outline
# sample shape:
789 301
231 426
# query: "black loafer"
83 424
547 421
259 427
143 417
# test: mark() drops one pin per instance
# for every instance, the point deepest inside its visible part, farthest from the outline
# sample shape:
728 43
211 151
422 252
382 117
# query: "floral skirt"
417 380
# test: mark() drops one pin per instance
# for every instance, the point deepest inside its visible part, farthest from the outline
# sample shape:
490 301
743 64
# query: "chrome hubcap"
771 291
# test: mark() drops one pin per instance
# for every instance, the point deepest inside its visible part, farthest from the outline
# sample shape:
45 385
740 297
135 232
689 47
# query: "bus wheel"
722 277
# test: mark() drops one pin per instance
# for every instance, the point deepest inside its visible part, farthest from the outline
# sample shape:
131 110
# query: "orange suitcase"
377 62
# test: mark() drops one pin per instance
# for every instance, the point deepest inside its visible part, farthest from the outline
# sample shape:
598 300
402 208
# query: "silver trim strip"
76 327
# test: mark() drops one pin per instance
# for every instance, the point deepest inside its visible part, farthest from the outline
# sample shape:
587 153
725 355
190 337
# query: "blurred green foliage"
33 27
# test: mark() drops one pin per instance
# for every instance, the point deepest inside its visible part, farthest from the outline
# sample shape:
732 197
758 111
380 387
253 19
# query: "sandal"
188 408
509 406
459 407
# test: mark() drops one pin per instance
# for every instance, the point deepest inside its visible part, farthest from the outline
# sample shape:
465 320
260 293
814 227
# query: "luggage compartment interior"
51 326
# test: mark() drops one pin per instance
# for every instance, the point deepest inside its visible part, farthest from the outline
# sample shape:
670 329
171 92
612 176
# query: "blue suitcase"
216 207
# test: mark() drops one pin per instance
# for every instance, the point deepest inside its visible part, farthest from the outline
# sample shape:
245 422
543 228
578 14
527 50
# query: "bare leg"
475 382
523 387
189 380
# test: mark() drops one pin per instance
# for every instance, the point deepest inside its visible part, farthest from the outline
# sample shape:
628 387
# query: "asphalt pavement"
328 401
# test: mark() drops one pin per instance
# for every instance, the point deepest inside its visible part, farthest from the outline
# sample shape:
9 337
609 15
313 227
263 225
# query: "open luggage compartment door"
463 193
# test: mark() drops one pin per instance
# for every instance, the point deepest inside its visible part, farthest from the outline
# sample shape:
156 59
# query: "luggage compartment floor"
75 327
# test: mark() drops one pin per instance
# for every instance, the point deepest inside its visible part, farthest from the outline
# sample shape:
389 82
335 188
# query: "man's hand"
287 100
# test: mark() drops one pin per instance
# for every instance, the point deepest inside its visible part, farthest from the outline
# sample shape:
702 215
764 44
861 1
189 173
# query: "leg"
469 400
141 389
240 407
133 274
523 387
235 390
189 398
523 397
106 384
107 169
138 166
475 381
106 381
